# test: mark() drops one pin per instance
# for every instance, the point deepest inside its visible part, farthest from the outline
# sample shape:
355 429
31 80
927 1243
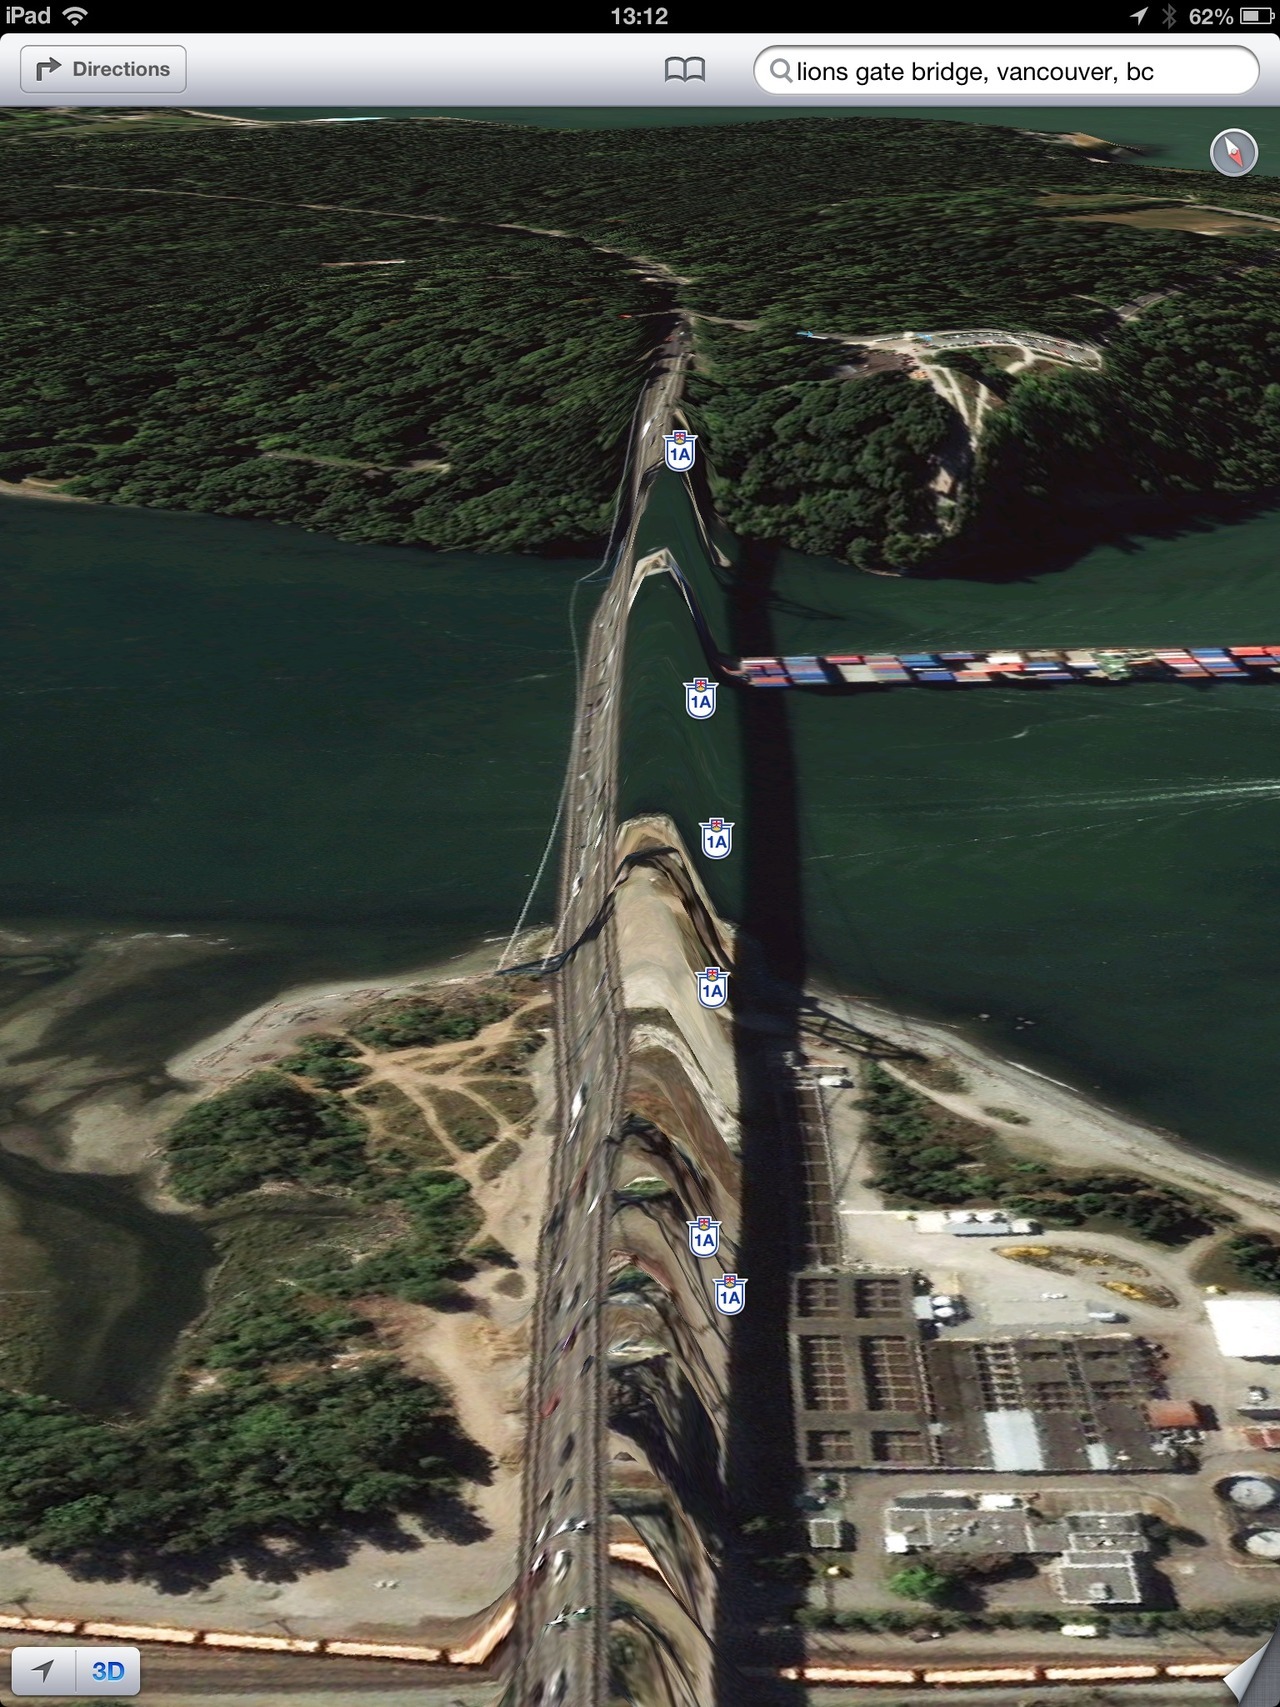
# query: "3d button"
75 1671
108 1671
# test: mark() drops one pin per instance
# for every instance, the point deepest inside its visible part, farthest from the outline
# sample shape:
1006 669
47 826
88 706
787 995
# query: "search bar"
1211 69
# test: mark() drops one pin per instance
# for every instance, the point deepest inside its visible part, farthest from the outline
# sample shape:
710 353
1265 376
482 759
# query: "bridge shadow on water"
1019 539
761 1471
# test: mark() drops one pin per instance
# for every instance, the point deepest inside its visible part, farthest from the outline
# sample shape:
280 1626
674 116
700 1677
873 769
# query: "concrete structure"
1099 1552
1097 1579
1245 1327
826 1533
876 1387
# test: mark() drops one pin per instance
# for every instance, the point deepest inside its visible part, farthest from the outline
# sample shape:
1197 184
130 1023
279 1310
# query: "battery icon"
1257 15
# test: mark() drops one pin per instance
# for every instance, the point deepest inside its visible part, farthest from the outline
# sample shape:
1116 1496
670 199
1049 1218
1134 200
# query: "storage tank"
1264 1544
1251 1493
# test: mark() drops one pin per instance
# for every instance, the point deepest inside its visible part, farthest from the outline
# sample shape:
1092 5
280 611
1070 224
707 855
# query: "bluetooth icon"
1169 17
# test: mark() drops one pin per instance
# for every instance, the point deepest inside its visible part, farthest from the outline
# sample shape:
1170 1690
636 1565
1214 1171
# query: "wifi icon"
74 14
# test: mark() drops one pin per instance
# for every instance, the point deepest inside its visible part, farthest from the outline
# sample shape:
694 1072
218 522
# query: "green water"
324 760
1170 136
1100 862
221 720
344 760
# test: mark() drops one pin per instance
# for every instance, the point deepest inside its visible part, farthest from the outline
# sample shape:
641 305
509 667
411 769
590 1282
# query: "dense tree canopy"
337 324
225 1470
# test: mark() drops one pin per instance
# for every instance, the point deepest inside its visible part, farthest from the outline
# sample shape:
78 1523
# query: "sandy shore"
40 489
265 1033
1062 1123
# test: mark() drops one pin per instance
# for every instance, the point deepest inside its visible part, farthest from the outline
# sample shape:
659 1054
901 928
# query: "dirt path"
643 264
456 1067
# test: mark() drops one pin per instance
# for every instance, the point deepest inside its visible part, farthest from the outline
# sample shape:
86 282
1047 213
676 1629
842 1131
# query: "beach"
1063 1124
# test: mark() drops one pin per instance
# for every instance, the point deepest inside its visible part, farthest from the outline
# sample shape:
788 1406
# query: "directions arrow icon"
47 65
44 1668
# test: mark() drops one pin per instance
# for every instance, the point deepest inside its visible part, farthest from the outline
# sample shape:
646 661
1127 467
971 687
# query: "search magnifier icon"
781 68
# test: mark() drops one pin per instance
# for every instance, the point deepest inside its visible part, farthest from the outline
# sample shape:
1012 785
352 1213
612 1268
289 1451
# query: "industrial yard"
1062 1422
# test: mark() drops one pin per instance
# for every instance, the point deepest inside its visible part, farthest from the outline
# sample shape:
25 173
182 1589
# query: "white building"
1245 1327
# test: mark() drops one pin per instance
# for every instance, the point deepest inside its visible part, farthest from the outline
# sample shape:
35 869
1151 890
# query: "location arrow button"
43 1671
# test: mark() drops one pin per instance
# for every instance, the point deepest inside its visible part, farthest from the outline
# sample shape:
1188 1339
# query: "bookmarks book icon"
692 70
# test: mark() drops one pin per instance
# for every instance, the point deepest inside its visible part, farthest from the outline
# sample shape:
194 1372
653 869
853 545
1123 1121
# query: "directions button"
80 68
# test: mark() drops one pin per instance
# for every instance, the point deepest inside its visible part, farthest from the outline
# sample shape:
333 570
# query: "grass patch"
414 1022
423 1263
497 1160
643 1190
927 1155
465 1123
513 1098
398 1119
1010 1116
258 1314
937 1075
510 1056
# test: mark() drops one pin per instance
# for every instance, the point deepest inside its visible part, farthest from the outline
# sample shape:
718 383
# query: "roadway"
560 1638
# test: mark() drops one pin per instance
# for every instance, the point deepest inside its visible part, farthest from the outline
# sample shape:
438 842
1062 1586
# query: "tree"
922 1582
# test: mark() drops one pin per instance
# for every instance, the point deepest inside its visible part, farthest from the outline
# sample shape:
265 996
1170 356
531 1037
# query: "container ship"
1037 668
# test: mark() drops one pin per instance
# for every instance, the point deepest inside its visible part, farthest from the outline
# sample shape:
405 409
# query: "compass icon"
1233 152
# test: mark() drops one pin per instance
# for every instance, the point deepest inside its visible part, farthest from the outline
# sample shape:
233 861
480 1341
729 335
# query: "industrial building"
876 1388
1098 1554
1245 1327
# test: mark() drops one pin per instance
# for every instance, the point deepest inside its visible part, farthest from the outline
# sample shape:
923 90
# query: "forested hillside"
327 324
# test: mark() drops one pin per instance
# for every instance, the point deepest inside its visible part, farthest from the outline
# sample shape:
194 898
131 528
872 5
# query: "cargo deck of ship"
1044 667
